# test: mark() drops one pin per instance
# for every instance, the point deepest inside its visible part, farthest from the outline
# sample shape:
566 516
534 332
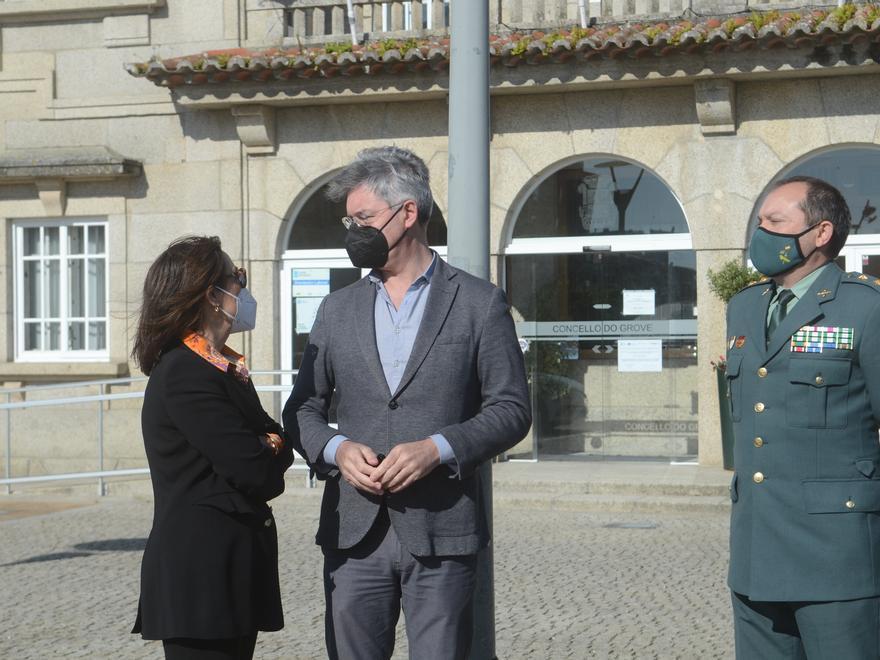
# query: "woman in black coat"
209 578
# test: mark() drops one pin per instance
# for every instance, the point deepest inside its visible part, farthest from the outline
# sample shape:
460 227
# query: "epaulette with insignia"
860 278
761 280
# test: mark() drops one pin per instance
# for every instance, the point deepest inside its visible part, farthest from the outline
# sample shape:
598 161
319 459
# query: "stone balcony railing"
320 21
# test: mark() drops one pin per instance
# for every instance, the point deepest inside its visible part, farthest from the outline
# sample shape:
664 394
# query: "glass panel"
871 264
96 239
599 196
51 240
97 336
53 283
31 241
53 336
76 336
75 241
318 226
32 289
32 336
97 287
309 286
853 171
596 328
76 305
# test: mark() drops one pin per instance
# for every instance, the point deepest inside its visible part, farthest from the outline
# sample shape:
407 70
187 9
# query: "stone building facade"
627 159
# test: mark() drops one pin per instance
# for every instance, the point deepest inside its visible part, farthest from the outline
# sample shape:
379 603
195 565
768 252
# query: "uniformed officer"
803 371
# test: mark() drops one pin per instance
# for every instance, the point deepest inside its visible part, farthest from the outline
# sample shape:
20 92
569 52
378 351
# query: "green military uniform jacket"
805 522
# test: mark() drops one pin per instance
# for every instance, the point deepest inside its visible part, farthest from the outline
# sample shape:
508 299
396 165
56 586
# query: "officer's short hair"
823 202
392 173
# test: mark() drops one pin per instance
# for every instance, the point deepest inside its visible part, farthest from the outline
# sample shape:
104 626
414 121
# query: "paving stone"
568 583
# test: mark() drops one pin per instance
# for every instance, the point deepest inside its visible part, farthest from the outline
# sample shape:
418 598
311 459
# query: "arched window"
602 282
315 263
600 197
852 169
318 225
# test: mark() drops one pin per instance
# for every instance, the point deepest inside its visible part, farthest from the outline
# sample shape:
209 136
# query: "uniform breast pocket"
734 386
817 392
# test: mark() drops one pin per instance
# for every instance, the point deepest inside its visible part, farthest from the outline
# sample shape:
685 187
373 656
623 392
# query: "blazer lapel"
808 308
437 307
365 311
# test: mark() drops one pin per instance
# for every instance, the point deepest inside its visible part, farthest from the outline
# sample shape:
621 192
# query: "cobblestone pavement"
569 584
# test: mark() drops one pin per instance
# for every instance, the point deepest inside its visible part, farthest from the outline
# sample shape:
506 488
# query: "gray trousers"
366 585
833 630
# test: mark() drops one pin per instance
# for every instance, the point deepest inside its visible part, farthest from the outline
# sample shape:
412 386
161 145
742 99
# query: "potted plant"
724 283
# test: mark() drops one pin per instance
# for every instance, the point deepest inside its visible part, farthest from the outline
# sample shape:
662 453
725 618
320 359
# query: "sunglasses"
240 276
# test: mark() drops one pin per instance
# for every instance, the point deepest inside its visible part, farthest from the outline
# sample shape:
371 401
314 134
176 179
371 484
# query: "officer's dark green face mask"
773 254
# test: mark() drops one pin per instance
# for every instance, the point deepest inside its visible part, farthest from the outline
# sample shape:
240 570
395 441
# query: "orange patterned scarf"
223 360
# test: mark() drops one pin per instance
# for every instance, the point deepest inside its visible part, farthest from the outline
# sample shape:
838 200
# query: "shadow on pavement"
87 549
113 545
50 557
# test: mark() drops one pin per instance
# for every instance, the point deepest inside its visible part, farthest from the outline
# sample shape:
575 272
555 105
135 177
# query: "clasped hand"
405 464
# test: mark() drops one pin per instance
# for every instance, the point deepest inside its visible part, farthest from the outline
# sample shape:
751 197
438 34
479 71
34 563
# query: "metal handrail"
100 474
73 384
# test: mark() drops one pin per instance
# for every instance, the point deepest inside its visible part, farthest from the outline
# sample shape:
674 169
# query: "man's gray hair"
392 173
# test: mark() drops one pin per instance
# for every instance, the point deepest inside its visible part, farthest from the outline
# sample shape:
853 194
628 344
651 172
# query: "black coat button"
393 405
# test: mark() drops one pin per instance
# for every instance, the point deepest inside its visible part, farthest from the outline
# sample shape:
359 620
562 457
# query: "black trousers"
185 648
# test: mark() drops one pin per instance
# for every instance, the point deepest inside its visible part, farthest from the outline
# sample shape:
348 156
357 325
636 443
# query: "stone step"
633 488
612 503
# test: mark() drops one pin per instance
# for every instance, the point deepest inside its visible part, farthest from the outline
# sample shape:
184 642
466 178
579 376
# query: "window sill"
53 10
62 371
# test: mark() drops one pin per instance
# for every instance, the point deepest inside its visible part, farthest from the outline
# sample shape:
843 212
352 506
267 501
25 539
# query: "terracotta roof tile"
768 30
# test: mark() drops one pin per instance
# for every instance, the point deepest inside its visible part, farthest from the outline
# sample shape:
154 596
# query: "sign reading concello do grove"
678 328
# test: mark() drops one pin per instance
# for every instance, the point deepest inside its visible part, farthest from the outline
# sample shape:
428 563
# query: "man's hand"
405 464
356 462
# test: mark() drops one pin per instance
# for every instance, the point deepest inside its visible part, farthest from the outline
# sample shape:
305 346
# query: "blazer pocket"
841 495
817 392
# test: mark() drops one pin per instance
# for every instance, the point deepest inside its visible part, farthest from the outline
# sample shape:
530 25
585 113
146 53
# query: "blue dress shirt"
396 331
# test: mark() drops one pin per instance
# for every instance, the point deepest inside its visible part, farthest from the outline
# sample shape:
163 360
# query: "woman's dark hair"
174 295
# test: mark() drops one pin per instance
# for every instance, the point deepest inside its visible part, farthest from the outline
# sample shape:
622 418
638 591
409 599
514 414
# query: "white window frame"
615 243
62 354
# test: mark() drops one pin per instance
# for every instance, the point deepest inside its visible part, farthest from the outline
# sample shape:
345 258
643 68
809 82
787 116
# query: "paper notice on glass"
638 302
640 355
305 282
306 313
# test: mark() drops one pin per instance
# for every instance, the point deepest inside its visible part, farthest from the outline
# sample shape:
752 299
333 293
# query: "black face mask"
367 247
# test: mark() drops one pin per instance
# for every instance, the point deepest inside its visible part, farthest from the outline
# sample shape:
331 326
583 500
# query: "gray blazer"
465 379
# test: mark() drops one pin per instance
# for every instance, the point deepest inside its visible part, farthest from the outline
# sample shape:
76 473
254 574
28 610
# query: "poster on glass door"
308 286
309 282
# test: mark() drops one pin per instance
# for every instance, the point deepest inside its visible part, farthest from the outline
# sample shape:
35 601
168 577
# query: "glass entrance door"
610 346
304 283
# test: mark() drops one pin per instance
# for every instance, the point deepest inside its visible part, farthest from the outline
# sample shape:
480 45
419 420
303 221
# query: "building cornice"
31 11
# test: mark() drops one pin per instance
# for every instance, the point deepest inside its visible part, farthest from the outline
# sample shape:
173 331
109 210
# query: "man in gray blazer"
429 379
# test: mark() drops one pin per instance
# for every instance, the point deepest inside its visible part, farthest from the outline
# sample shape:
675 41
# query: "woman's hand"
273 441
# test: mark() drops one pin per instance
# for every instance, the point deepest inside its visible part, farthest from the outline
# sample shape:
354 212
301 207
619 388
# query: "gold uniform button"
762 372
850 504
758 442
758 477
268 522
819 380
759 407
